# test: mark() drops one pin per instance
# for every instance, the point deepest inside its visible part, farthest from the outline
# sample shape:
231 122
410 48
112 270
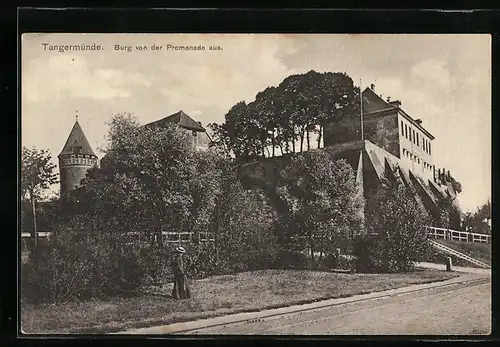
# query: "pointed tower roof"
77 142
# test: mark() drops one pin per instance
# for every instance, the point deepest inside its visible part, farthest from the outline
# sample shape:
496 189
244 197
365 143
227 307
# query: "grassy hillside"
476 250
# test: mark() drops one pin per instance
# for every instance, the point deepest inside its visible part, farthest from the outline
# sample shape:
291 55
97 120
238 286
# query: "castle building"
75 159
183 122
201 139
389 142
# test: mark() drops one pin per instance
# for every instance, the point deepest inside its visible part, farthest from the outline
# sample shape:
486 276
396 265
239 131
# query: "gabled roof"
383 106
77 142
179 118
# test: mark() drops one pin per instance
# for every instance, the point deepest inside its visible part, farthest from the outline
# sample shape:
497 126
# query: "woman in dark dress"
181 288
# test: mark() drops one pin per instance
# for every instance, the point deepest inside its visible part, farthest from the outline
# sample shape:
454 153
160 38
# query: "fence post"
448 264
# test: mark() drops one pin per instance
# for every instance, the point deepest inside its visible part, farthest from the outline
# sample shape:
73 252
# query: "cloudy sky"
443 79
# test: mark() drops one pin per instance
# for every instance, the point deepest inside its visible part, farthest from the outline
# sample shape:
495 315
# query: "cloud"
193 83
435 70
69 77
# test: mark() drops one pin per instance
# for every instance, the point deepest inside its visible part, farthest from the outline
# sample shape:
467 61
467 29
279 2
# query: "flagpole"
361 108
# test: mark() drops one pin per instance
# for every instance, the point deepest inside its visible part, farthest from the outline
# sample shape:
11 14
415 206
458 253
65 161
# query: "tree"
280 116
450 215
338 98
325 201
146 186
37 175
400 228
478 222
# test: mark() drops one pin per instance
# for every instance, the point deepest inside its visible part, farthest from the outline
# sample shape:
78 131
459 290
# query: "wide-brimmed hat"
180 249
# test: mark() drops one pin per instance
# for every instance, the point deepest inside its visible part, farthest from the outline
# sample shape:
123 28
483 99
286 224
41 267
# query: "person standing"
181 288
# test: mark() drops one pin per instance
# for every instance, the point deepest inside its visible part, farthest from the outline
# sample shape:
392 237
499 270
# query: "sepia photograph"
255 184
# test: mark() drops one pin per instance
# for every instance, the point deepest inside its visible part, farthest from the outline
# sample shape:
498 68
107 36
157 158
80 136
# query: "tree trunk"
293 145
302 141
308 139
281 149
35 231
320 136
274 143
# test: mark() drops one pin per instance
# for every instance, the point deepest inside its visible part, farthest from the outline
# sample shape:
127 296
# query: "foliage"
47 213
37 172
450 214
37 175
291 260
400 228
78 263
286 115
477 222
324 202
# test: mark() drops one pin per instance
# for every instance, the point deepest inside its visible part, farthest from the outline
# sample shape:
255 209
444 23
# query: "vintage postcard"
255 184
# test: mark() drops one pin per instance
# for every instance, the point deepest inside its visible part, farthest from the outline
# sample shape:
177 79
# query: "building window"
195 133
418 144
402 130
430 148
413 136
418 160
409 131
406 131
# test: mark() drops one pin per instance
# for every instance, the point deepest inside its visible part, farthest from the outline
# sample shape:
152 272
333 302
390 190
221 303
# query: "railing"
169 237
132 237
460 255
43 234
455 235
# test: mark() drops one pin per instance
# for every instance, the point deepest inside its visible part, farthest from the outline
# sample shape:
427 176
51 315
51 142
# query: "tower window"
195 133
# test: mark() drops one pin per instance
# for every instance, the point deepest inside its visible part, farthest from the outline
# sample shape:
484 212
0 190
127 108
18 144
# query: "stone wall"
71 176
380 129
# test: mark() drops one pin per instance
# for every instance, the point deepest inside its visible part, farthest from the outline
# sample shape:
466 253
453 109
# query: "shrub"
155 261
291 260
400 226
363 252
75 265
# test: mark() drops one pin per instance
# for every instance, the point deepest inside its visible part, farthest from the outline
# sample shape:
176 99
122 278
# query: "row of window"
413 136
416 159
83 161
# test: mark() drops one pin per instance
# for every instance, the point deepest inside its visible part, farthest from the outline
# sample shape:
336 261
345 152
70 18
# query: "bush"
291 260
400 228
155 262
74 265
364 258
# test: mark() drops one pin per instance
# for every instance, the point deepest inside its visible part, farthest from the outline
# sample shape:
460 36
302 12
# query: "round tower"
75 159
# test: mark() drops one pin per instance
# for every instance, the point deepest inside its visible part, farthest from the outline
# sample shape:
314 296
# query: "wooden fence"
132 237
455 235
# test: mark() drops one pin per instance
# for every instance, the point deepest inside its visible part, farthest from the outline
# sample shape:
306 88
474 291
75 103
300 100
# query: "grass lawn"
214 296
476 250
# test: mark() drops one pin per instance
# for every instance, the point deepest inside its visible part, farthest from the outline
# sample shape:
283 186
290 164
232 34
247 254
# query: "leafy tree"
147 184
450 215
37 175
477 222
400 229
324 199
280 116
338 99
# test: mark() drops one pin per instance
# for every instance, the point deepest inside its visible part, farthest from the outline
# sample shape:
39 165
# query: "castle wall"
380 129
